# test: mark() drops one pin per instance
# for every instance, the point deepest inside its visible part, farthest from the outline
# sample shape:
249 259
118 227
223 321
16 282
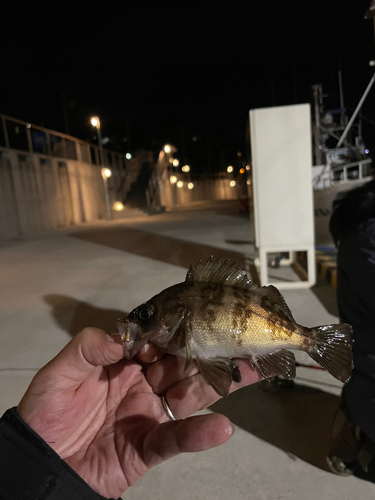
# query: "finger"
89 349
167 372
193 393
150 353
190 435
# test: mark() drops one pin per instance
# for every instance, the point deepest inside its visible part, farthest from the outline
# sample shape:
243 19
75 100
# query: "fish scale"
217 315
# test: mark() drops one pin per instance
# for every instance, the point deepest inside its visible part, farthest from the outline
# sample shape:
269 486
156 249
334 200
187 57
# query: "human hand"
104 415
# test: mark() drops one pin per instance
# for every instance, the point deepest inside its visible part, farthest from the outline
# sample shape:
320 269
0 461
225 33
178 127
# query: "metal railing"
29 138
342 173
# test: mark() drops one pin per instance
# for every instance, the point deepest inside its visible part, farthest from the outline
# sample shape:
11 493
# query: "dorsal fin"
276 301
219 272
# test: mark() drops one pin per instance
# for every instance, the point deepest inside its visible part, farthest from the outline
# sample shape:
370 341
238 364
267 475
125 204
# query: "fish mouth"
129 332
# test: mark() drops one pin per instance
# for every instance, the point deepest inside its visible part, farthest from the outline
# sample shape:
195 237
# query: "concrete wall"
40 193
210 189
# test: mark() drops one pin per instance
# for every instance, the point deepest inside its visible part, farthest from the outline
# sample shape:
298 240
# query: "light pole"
106 172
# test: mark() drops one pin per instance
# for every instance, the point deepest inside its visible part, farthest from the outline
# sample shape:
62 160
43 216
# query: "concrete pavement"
54 284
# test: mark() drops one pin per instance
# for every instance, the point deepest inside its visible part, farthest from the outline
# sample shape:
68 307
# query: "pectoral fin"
276 363
219 373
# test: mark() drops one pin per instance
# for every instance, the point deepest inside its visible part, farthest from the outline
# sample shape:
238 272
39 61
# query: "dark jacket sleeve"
30 469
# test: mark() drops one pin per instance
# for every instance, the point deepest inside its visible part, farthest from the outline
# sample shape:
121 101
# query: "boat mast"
317 92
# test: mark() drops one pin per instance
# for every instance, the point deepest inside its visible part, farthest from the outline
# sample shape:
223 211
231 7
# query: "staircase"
131 173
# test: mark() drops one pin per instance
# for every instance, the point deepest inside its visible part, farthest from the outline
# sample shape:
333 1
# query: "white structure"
283 197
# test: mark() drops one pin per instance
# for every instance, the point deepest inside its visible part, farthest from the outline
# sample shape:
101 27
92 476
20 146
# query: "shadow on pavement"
297 420
73 315
326 294
156 247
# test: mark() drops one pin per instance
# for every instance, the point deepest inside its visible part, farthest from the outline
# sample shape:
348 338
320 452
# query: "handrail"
62 135
325 174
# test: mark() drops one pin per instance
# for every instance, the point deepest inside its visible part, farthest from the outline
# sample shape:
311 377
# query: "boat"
342 166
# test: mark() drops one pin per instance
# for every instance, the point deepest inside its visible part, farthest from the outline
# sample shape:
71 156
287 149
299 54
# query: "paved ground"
53 285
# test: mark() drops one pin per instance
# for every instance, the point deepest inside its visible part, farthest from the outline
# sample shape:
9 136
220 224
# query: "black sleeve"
31 470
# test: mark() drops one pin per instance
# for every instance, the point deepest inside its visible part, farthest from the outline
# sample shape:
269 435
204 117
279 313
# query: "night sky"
185 73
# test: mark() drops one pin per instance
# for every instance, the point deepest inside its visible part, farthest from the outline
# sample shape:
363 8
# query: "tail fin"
333 350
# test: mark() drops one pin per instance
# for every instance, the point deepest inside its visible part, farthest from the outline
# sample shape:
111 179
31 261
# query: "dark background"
185 73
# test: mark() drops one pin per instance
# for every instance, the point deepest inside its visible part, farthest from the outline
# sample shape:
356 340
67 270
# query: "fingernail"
231 429
110 338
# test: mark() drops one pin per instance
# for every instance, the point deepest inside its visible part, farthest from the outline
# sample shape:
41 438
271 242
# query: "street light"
95 122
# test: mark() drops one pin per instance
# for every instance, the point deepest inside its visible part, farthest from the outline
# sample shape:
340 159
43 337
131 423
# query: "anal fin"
219 373
276 363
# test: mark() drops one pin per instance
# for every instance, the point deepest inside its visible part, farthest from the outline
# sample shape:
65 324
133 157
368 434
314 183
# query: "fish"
218 315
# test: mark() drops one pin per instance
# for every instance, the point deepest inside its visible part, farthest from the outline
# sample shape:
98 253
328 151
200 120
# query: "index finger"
150 353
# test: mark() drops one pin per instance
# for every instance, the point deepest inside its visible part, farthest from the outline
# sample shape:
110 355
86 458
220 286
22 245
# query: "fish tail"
333 349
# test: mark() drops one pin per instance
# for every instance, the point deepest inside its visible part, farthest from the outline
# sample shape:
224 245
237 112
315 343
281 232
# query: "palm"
110 438
103 415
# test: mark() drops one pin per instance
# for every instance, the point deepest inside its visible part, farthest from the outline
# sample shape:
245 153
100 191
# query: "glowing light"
95 122
106 172
186 168
28 125
248 182
128 156
118 206
230 169
367 151
167 148
175 162
180 184
239 153
190 185
232 183
247 167
242 171
173 179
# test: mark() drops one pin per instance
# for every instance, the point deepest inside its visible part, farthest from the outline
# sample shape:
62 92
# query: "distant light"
247 167
367 151
186 168
105 140
106 172
167 148
230 169
180 184
173 179
95 122
194 138
28 125
239 153
190 185
128 156
175 162
232 183
118 206
242 171
248 182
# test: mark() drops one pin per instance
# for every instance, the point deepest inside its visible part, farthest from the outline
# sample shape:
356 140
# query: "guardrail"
342 173
29 138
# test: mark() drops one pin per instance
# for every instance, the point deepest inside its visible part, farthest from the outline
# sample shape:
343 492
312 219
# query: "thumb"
89 349
192 434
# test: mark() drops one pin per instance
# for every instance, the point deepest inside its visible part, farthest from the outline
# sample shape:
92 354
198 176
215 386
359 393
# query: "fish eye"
145 312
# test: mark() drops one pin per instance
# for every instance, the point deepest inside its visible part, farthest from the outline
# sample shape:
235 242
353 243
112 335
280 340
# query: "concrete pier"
54 284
